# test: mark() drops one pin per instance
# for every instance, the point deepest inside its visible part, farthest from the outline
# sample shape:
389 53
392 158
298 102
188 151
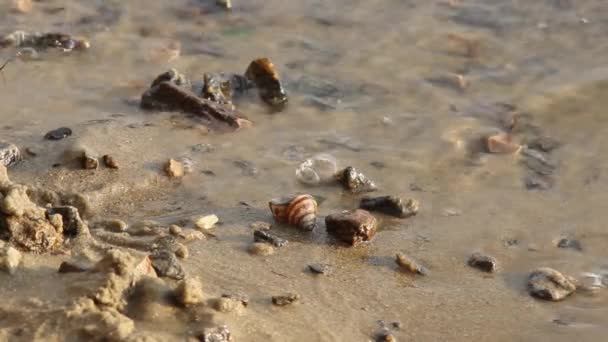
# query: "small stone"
9 154
549 284
72 223
89 162
227 4
110 162
570 243
537 182
391 205
10 258
206 222
58 134
352 227
182 251
166 264
115 225
21 6
262 249
260 225
73 267
243 298
355 181
325 269
410 264
264 236
483 262
175 230
191 235
189 292
219 334
286 299
544 144
591 282
174 169
500 143
226 305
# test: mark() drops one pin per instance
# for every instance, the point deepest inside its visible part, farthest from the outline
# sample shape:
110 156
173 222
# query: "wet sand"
408 134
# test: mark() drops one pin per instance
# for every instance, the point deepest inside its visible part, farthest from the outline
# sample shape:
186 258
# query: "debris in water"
352 227
44 41
391 205
570 243
500 143
260 225
300 211
410 264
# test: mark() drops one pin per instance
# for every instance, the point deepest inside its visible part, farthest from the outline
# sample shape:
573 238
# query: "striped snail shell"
300 211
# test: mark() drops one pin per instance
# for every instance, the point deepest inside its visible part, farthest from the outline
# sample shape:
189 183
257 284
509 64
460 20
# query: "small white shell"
317 170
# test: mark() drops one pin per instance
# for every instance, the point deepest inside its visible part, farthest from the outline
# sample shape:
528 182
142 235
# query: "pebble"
391 205
89 162
110 162
352 227
243 298
538 161
115 225
10 258
410 264
544 144
206 222
227 304
21 6
174 169
570 244
286 299
591 282
262 249
483 262
189 292
73 267
264 236
549 284
536 182
385 335
218 334
182 251
175 230
260 225
325 269
500 143
165 264
355 181
9 154
58 134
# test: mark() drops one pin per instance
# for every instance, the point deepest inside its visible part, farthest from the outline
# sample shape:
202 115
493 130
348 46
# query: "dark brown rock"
110 161
391 205
355 181
483 262
74 267
286 299
58 134
266 78
264 236
352 226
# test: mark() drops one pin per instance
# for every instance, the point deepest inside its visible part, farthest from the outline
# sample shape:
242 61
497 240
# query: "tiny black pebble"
58 134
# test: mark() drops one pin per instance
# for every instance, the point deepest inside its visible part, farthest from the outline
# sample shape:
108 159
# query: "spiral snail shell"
300 211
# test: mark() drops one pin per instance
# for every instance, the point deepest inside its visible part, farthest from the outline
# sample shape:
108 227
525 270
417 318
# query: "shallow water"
392 121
